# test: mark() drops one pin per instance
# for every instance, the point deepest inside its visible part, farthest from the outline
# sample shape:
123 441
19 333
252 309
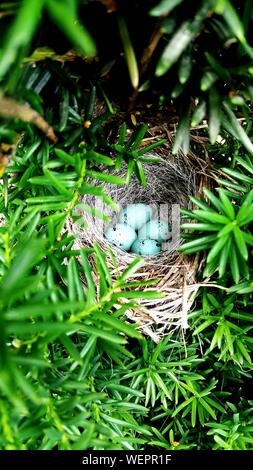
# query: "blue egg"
121 235
156 229
135 215
146 247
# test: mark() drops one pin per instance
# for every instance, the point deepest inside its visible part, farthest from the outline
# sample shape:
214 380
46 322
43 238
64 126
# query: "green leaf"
53 178
132 268
214 114
148 390
25 386
138 136
129 53
130 169
193 412
215 404
45 199
71 348
248 238
216 249
64 110
91 288
199 113
201 202
106 177
55 329
229 184
182 406
161 385
102 258
45 310
69 159
207 407
182 140
199 241
27 257
122 388
243 350
139 295
174 49
240 242
237 175
203 326
227 205
181 39
124 424
248 199
103 334
244 215
245 164
211 216
237 128
98 158
68 22
219 69
214 200
71 282
233 21
75 287
228 339
164 7
224 258
234 264
91 104
140 173
216 340
118 325
20 33
150 159
223 444
227 229
202 227
151 147
185 67
207 80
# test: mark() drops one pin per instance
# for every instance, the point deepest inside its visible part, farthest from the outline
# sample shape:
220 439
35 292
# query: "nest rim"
175 272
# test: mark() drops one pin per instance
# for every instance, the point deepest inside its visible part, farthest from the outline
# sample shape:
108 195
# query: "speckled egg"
156 229
146 247
135 215
121 235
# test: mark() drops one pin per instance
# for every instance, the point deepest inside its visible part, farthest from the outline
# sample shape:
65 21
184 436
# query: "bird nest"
170 183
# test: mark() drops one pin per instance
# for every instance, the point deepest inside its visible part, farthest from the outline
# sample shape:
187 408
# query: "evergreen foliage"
74 374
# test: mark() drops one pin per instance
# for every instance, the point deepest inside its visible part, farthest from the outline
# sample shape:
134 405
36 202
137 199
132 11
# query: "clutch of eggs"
135 219
135 215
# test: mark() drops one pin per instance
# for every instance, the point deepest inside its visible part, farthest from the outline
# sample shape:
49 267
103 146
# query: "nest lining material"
170 182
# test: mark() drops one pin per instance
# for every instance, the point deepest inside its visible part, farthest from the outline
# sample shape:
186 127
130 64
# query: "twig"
150 49
9 108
